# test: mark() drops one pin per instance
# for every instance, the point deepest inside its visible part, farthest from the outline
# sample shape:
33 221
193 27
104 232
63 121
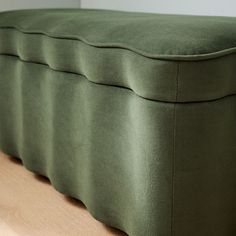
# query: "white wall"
197 7
21 4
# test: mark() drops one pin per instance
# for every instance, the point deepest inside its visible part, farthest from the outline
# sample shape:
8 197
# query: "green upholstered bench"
132 113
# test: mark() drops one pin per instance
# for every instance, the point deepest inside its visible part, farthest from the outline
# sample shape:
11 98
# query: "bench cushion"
169 58
123 131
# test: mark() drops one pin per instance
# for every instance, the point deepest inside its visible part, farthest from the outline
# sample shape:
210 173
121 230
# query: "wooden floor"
30 206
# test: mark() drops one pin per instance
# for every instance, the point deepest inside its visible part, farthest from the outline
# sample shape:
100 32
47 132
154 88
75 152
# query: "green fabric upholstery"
152 35
132 113
142 52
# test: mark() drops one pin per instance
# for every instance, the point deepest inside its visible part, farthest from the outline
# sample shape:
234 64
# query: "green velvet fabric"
146 142
152 35
143 52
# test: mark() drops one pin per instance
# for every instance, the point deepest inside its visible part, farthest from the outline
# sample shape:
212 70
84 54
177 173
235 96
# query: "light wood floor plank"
30 206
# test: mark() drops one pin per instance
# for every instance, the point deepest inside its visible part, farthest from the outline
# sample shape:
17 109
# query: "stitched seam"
190 57
174 150
82 75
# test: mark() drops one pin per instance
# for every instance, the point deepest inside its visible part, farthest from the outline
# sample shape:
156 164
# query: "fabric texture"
120 112
142 52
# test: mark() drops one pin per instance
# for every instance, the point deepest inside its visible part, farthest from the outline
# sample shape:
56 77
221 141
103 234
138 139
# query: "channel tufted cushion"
132 113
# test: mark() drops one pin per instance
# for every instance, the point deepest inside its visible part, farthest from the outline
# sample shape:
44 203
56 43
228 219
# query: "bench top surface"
160 36
170 58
